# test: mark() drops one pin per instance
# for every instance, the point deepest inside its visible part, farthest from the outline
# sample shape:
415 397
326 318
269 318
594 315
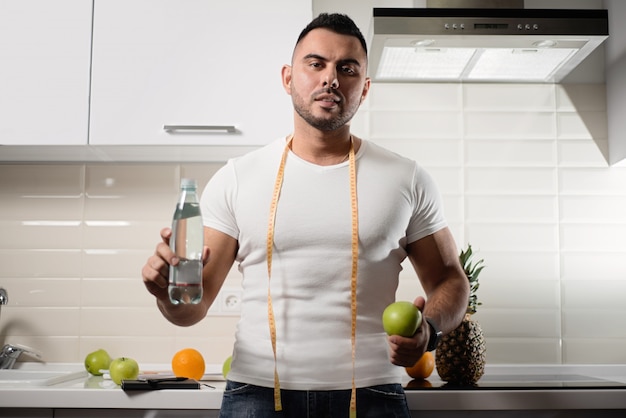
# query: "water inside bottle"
184 286
185 282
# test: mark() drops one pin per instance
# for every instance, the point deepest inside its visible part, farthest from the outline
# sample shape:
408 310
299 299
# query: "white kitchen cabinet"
193 63
45 51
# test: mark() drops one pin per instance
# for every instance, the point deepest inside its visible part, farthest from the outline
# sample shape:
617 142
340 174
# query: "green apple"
226 366
123 368
401 318
96 361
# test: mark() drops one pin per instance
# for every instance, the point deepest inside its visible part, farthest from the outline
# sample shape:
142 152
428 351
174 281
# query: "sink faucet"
11 352
4 297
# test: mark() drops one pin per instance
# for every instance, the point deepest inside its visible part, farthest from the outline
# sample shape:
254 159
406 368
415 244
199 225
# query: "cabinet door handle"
212 128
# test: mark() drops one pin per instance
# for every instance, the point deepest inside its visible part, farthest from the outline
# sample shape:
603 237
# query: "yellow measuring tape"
355 262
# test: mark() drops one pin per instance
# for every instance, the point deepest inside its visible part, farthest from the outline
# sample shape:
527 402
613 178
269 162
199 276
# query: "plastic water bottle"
187 241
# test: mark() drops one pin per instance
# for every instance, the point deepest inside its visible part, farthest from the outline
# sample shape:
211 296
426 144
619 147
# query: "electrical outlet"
227 302
230 301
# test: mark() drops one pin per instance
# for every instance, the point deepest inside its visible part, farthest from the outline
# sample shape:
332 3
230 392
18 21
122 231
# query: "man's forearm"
447 304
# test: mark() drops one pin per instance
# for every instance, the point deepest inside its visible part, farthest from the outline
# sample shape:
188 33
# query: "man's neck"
324 148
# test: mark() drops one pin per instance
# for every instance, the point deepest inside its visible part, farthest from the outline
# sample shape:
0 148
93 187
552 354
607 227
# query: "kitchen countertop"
518 392
97 392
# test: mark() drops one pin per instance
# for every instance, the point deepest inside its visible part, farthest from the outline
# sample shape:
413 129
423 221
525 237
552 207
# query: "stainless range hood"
482 45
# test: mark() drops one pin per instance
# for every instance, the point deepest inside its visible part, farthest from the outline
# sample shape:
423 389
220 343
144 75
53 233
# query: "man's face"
327 79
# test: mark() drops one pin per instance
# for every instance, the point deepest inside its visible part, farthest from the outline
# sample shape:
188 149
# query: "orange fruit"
423 368
189 363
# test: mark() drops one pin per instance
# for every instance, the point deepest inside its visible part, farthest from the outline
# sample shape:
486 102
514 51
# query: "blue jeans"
249 401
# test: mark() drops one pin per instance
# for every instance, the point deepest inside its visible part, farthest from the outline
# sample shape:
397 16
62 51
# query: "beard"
329 122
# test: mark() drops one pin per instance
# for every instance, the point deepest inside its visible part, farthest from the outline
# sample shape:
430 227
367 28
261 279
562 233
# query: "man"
319 223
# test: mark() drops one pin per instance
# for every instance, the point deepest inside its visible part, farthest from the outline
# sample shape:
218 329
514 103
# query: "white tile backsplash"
590 265
405 124
522 266
497 124
107 234
580 97
500 291
45 263
103 292
583 125
594 238
586 153
596 209
114 181
511 152
523 175
524 350
30 321
118 263
509 97
44 180
42 292
511 180
124 322
521 323
514 237
411 97
590 323
592 181
52 210
594 350
511 209
593 293
433 152
41 234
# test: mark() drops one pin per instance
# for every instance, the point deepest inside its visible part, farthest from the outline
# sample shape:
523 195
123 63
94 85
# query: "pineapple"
460 356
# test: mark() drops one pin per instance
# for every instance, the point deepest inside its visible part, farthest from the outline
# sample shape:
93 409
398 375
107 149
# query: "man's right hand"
156 271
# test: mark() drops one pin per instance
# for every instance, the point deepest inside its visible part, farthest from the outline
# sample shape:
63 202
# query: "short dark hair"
336 22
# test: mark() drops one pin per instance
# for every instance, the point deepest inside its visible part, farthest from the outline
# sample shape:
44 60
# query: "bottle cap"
188 184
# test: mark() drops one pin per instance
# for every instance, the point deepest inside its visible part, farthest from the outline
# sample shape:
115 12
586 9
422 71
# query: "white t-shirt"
398 203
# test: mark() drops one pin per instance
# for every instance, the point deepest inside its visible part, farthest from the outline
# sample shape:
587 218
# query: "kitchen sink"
40 374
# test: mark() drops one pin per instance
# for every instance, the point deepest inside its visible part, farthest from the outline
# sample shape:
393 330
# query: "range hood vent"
482 45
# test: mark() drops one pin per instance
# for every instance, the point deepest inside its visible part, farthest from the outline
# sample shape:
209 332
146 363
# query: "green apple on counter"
401 318
226 366
123 368
96 361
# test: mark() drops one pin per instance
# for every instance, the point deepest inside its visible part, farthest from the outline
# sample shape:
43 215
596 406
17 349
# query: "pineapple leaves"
472 271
